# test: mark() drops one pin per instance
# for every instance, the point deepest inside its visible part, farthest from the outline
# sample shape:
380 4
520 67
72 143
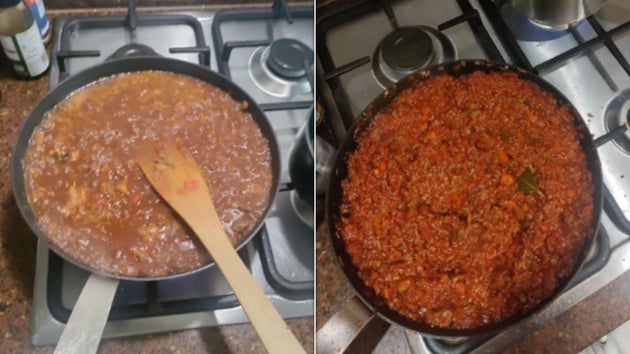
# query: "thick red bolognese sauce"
467 199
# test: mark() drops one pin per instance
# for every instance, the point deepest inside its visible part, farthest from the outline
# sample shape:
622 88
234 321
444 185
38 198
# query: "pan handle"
352 327
84 329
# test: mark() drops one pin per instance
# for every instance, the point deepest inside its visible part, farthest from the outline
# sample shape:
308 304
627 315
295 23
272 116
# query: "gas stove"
239 44
587 62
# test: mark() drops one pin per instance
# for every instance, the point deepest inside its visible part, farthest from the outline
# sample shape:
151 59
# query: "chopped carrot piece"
509 204
122 187
503 156
507 179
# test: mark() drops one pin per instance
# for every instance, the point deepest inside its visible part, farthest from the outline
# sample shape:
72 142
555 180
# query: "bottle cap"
8 3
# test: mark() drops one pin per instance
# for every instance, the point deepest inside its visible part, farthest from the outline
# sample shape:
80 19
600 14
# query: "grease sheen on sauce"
90 197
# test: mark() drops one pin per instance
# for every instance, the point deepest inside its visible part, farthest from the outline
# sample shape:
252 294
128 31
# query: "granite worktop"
18 244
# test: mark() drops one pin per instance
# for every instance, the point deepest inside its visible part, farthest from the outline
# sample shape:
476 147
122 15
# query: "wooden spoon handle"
177 178
268 323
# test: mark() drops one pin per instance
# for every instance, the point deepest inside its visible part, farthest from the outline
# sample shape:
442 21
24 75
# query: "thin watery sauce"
89 194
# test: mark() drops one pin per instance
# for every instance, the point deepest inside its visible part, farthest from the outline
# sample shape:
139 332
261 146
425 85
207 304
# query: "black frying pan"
108 282
335 194
92 74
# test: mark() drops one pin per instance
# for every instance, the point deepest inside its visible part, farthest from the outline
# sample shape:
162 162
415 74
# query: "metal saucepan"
89 316
376 306
556 14
301 165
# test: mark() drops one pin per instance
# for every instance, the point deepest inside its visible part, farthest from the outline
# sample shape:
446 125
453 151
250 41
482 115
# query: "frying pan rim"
349 144
97 72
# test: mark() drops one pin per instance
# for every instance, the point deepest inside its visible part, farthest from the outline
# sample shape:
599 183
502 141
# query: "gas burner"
133 50
280 69
618 113
302 209
288 58
408 49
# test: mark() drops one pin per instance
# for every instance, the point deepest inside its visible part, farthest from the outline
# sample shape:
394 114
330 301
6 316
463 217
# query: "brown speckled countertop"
18 244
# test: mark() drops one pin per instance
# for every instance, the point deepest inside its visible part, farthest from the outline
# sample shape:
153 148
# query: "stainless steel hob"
281 256
587 61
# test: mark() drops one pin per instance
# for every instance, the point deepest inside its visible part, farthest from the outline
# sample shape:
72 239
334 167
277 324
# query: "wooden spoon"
175 175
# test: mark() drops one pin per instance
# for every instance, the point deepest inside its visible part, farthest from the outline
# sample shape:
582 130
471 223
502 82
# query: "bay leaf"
527 183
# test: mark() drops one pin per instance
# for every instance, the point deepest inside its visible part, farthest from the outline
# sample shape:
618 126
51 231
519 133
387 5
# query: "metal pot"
556 14
301 161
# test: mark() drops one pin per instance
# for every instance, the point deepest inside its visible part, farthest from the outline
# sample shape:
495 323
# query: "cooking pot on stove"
556 14
301 161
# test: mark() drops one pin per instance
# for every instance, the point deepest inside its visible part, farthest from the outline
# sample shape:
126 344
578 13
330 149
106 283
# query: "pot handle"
85 326
352 327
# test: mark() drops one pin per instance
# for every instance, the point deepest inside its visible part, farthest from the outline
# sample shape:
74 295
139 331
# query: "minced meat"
467 199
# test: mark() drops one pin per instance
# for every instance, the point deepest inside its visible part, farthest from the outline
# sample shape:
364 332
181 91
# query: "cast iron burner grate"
136 299
303 82
386 74
492 9
131 22
617 114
